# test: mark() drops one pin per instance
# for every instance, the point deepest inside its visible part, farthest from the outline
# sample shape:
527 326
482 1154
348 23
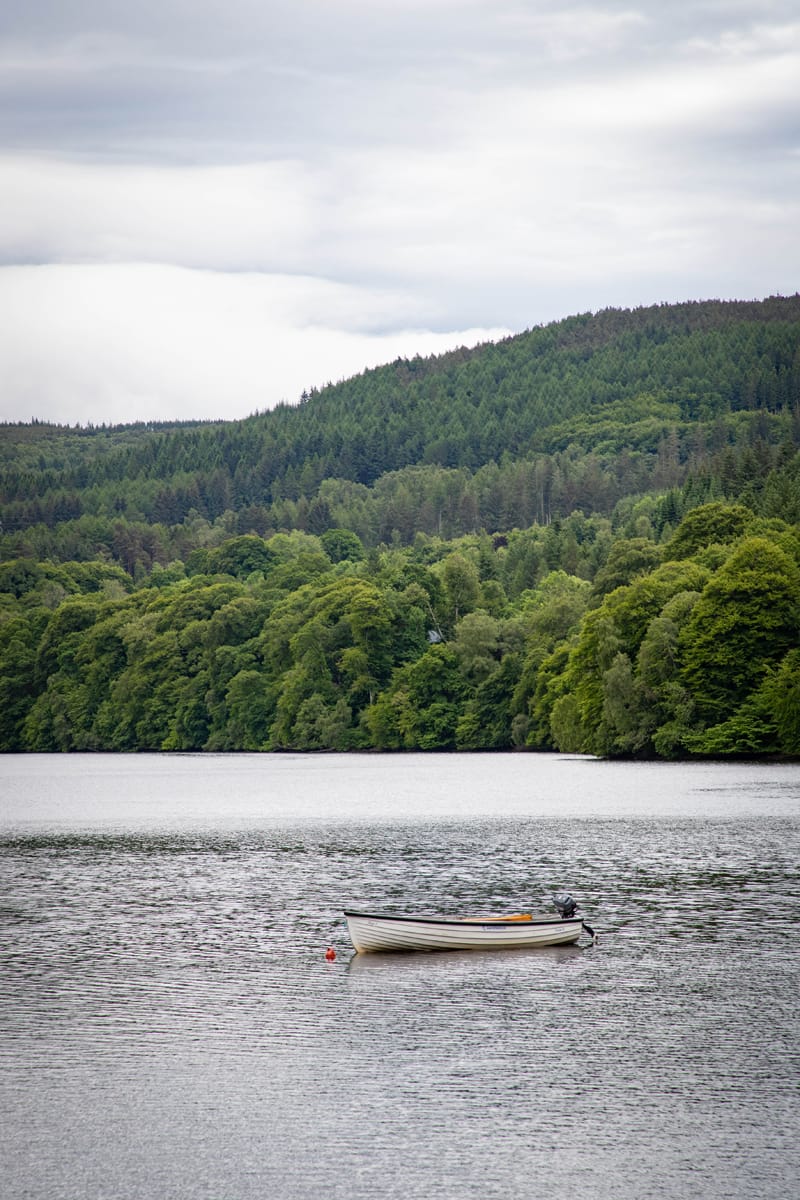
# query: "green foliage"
693 655
20 635
779 696
422 707
584 538
486 721
683 659
461 585
707 526
240 556
342 545
696 401
250 707
627 558
746 619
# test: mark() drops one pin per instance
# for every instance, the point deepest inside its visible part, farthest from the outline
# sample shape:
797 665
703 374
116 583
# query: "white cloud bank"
125 342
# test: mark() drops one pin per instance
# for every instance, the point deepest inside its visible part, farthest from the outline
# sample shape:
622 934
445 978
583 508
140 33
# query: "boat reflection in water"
407 964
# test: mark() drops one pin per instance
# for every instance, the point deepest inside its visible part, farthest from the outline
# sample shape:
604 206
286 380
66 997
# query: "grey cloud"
438 165
240 79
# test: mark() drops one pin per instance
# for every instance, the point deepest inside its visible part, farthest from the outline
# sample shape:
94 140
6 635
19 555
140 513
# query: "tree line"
593 408
581 538
676 647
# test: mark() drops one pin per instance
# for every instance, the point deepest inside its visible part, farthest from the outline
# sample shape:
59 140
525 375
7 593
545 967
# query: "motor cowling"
565 905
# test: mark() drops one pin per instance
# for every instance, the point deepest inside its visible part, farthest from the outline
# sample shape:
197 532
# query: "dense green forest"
584 538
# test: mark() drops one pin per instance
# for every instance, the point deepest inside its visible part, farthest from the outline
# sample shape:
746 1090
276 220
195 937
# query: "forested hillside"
576 415
585 538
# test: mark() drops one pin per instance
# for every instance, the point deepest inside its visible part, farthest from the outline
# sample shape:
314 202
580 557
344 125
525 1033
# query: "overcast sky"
207 206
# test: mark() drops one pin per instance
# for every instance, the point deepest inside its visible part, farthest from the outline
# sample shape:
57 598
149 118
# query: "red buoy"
330 954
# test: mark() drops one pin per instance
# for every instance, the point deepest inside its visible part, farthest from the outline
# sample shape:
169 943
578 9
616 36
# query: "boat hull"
378 932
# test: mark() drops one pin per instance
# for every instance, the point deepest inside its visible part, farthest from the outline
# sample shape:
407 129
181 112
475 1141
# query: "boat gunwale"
469 923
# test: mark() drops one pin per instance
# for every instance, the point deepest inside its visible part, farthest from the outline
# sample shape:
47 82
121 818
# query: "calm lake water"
170 1027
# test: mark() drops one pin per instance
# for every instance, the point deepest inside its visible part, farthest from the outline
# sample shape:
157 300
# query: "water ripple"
170 1025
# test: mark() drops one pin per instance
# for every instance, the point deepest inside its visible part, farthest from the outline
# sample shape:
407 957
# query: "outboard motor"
566 906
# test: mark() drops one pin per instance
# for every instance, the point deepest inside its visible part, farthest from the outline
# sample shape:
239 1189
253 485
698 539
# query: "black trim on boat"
498 923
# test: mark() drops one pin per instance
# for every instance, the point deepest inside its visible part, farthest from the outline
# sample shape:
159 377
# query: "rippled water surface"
170 1027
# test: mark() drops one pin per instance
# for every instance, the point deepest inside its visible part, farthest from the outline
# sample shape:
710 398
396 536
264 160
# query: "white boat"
375 932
